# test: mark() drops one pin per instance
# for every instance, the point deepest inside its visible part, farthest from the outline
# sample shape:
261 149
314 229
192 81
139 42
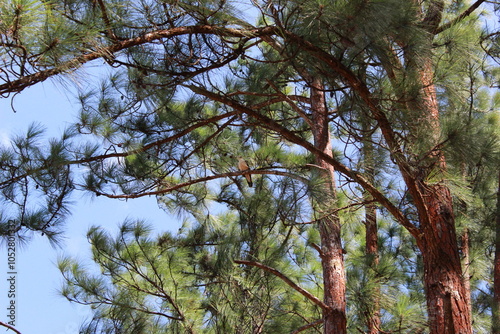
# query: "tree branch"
169 189
307 326
290 136
29 80
459 18
9 327
106 20
288 281
146 147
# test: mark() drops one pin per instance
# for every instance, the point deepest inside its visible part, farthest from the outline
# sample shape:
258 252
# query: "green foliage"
193 86
186 282
36 184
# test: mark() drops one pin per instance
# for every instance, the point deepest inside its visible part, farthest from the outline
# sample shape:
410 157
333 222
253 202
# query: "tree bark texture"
443 278
332 257
446 296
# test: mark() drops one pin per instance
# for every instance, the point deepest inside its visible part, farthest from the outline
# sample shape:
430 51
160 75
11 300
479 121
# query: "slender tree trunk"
465 247
373 316
373 321
465 250
332 257
496 276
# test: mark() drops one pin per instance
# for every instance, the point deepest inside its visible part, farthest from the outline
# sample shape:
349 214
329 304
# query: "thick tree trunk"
332 257
496 276
446 296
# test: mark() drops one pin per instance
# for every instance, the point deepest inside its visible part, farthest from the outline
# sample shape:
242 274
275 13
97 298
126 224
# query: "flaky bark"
445 292
332 258
446 295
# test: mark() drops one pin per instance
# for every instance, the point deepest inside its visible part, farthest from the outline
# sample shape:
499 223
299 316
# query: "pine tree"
189 80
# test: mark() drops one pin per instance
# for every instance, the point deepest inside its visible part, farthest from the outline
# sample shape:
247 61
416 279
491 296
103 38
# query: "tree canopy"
371 133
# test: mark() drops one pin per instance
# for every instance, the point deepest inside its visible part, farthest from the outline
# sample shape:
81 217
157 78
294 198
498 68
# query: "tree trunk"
446 296
372 312
443 280
465 250
373 321
332 257
496 277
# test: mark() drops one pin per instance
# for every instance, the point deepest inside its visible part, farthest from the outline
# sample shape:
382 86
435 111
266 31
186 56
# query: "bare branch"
9 327
171 188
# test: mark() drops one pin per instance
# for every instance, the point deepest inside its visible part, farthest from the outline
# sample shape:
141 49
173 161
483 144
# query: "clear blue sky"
40 309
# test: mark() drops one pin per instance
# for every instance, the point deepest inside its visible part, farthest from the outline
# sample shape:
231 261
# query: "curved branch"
288 281
29 80
459 18
167 189
307 326
9 327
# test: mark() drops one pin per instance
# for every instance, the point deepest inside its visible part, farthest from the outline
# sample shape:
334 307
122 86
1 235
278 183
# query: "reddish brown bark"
22 82
446 297
447 300
332 257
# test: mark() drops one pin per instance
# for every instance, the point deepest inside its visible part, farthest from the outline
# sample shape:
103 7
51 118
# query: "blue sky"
40 308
